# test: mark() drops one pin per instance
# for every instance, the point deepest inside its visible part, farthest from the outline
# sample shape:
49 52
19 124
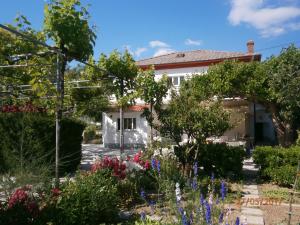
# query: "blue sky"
149 28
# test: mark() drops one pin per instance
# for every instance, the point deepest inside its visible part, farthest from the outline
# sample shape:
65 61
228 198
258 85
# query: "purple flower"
194 184
195 168
143 216
191 218
153 163
207 213
180 210
221 217
184 219
212 177
201 199
217 201
152 203
158 166
143 194
237 222
223 190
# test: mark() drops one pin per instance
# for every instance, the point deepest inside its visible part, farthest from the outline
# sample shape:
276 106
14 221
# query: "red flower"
147 165
56 191
19 196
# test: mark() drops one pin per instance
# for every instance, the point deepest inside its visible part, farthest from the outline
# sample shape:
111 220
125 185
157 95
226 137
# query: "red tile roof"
193 56
132 108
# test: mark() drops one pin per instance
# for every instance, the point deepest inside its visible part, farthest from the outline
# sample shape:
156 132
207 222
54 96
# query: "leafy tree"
39 72
121 72
151 92
197 119
273 83
89 98
66 23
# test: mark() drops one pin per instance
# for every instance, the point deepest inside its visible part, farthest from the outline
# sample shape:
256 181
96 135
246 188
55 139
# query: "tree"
198 119
121 72
90 98
16 51
273 83
151 92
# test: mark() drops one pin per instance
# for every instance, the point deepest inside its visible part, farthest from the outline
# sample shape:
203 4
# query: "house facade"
251 120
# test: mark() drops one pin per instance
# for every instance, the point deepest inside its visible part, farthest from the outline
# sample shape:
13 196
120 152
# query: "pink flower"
147 165
56 191
19 196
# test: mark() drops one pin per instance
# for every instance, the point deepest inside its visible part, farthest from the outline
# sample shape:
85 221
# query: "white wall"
111 134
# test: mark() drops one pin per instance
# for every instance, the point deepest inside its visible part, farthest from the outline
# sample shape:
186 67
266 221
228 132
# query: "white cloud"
193 42
163 51
270 21
158 44
139 51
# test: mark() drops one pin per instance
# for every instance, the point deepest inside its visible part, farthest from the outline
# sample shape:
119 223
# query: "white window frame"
127 126
179 78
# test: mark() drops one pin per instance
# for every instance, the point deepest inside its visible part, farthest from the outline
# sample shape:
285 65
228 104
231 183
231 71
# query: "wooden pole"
292 194
121 121
58 118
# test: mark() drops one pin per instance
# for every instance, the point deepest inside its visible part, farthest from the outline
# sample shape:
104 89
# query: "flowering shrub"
91 199
21 207
120 168
113 164
192 206
28 107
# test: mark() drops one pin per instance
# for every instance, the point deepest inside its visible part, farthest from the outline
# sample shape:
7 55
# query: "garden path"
251 212
90 152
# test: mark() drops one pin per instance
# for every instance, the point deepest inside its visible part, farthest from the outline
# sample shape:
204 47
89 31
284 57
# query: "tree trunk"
121 120
151 125
284 130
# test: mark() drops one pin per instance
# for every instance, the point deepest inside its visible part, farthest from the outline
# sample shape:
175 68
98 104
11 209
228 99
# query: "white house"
179 66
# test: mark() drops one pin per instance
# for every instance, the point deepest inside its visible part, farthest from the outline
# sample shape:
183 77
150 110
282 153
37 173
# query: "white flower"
210 199
178 192
130 166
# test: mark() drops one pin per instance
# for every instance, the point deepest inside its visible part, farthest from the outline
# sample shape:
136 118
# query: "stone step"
250 191
251 211
253 220
250 186
249 196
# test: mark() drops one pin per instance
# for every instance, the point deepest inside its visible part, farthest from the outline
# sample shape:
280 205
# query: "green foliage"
222 160
278 164
121 75
273 83
28 141
187 115
66 23
284 175
152 91
89 133
90 200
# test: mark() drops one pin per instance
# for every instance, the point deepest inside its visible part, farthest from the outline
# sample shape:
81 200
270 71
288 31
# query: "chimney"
250 47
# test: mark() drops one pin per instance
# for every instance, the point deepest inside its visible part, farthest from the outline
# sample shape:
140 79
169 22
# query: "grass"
274 191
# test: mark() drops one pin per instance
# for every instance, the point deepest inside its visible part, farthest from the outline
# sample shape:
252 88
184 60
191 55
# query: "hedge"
28 139
277 164
223 160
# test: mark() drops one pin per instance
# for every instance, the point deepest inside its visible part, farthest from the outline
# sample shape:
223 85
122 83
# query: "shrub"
89 133
277 164
91 199
21 208
223 160
28 139
283 175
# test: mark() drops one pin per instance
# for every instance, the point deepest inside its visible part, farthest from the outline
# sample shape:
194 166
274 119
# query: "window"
176 80
128 123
